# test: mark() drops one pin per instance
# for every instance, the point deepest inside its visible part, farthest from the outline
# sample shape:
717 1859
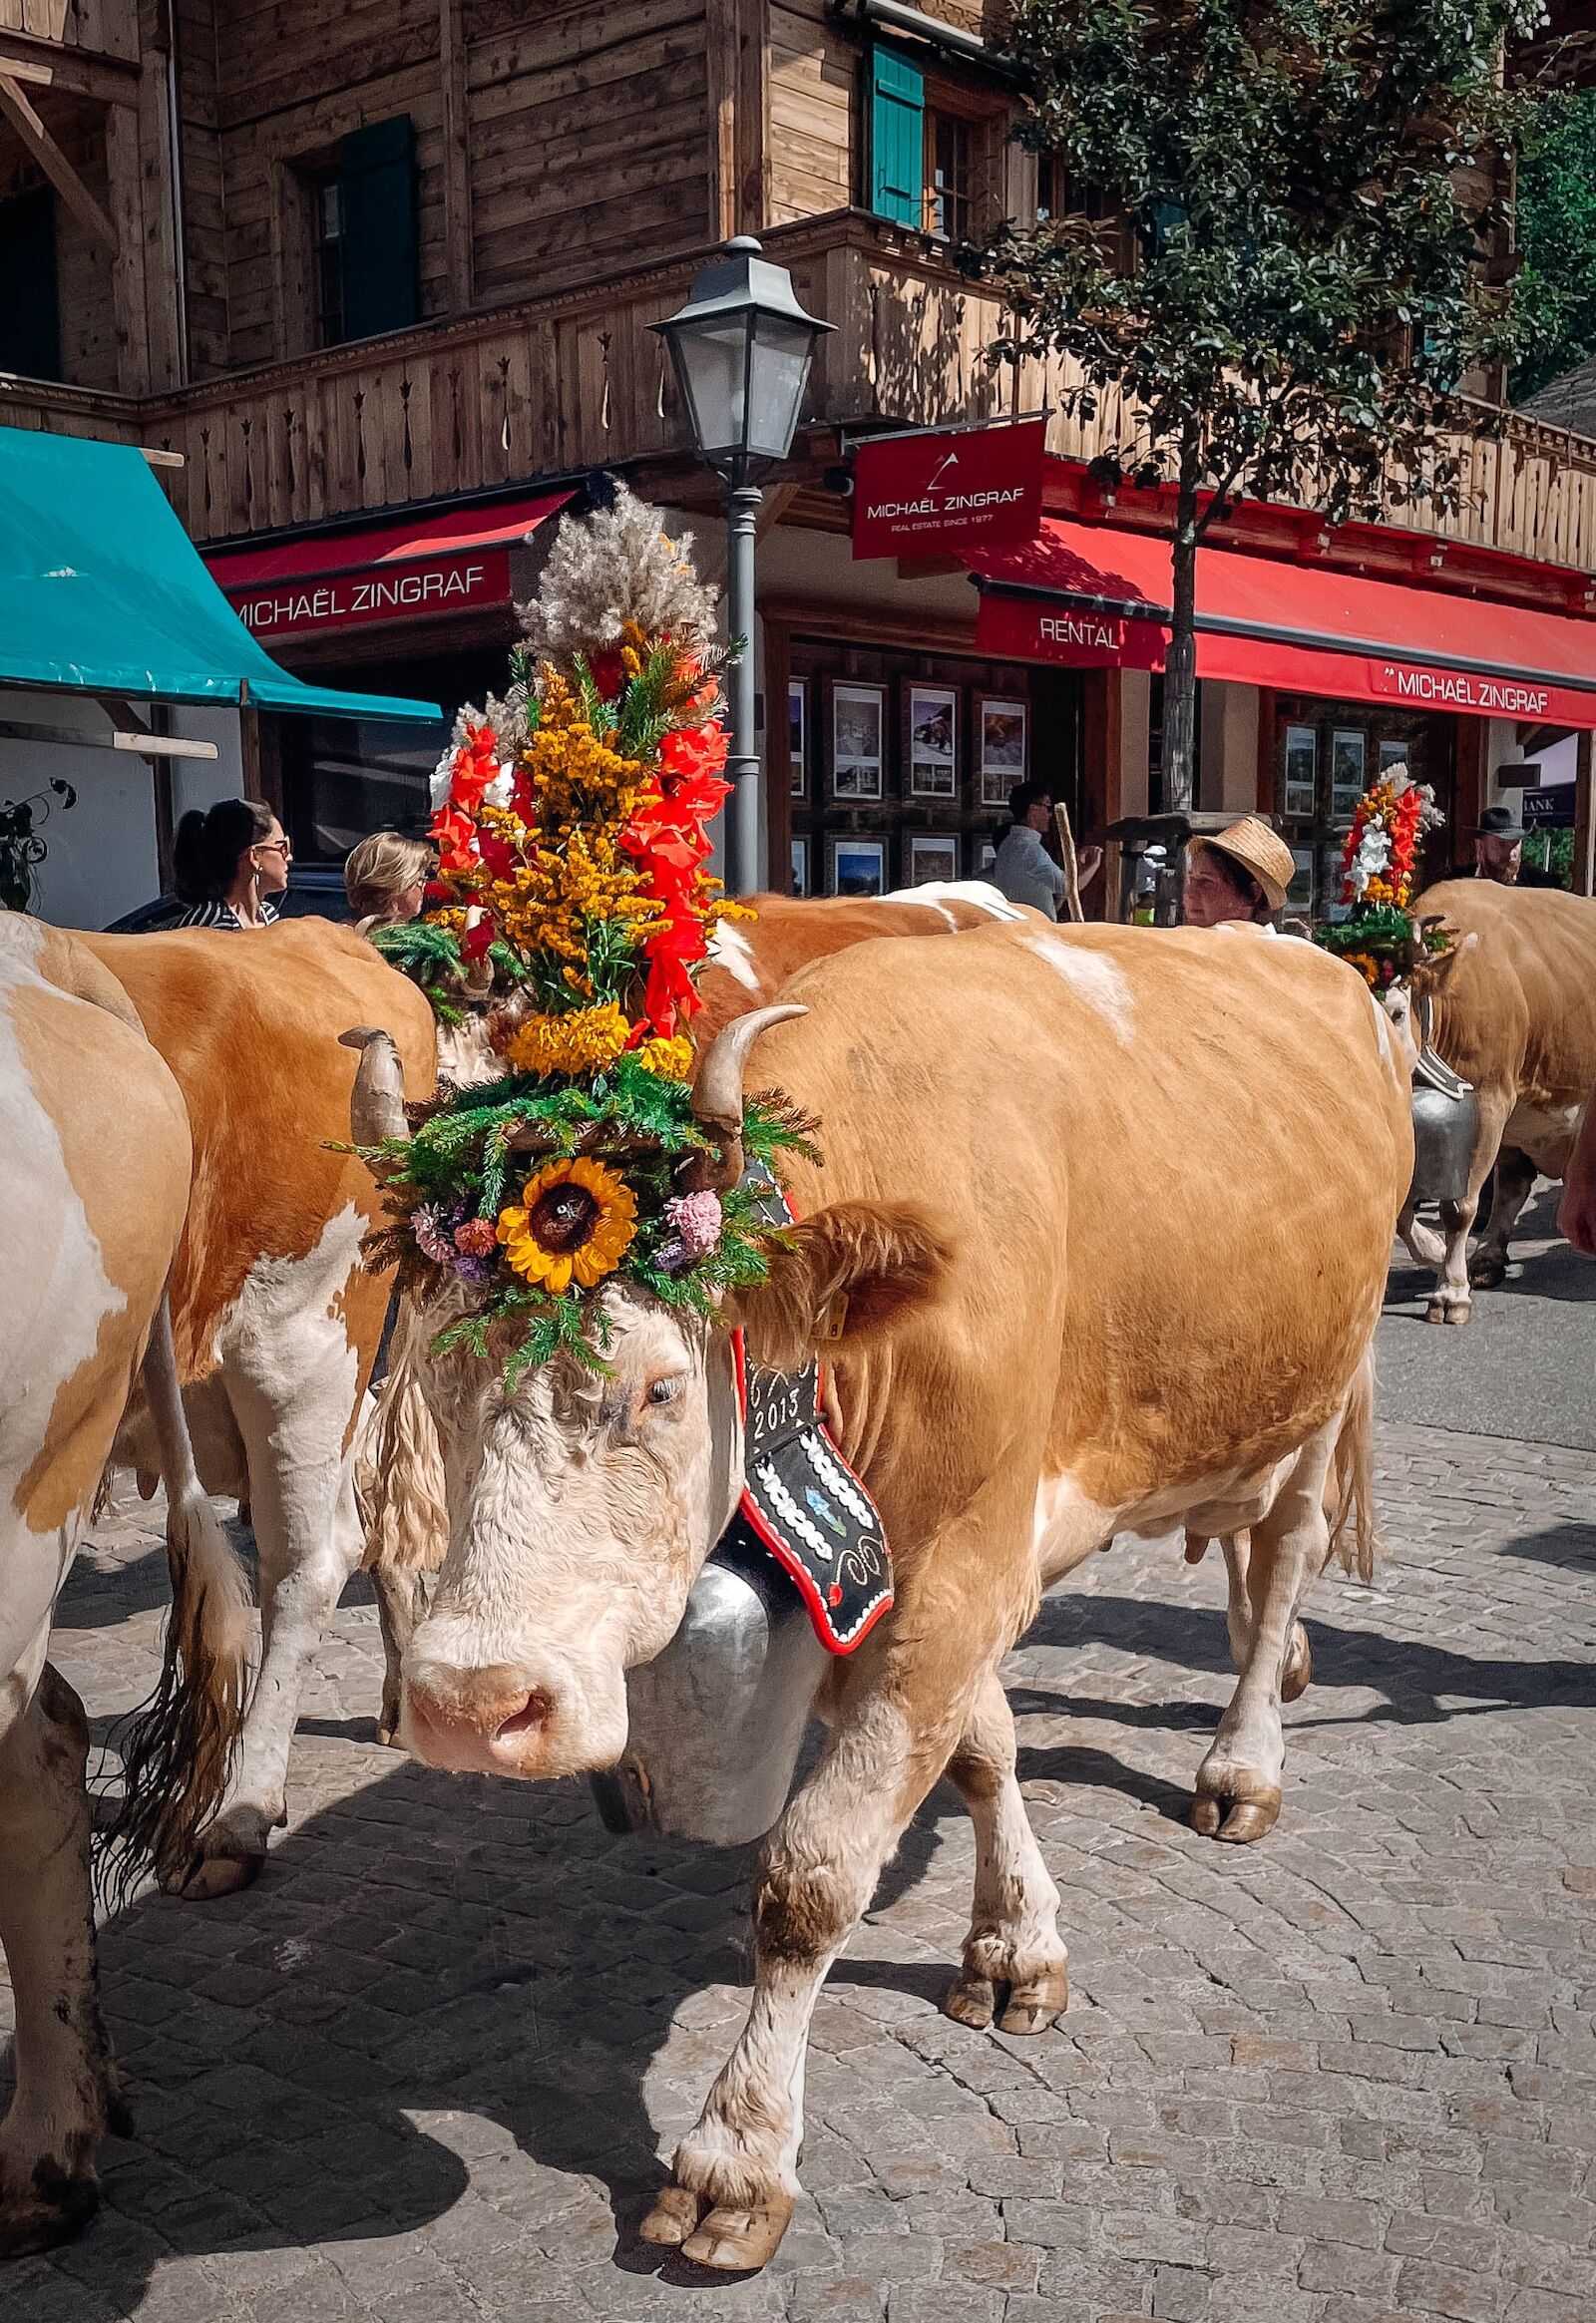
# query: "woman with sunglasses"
230 863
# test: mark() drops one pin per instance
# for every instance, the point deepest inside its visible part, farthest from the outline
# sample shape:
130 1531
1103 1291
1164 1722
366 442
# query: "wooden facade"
572 168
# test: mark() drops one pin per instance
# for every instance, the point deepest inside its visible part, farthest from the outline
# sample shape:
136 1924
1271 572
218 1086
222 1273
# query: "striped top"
221 915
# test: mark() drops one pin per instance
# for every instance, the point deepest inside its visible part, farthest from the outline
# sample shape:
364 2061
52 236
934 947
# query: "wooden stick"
1066 847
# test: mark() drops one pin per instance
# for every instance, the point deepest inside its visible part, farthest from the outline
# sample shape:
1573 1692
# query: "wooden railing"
563 384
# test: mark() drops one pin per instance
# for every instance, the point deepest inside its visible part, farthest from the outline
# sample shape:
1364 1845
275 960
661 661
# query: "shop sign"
1018 629
313 604
947 493
1552 808
1462 689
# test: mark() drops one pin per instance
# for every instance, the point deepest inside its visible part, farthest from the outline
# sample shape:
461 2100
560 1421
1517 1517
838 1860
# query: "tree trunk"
1177 764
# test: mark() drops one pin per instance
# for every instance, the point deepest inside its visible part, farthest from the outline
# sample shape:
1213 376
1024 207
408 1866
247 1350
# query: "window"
30 297
327 194
366 276
1059 194
948 205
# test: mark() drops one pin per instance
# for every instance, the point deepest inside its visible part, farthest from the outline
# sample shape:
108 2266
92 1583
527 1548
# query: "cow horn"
377 1100
718 1096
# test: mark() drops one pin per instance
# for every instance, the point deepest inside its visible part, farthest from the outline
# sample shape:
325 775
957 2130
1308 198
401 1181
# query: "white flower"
443 776
499 791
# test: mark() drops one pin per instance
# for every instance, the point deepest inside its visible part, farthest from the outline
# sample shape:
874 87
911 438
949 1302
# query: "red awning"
1091 596
400 569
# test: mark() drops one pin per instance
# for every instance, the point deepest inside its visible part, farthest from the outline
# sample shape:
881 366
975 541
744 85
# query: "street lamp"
741 349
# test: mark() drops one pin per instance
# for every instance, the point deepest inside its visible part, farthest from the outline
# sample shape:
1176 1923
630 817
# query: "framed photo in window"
933 748
858 740
798 735
1393 754
1300 895
1302 772
858 866
1001 741
1349 757
933 856
987 860
800 867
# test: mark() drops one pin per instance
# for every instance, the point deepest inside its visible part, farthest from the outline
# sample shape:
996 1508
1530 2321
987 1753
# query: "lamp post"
742 348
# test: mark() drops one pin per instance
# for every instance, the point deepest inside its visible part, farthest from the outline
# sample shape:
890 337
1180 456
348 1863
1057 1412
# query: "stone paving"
422 2073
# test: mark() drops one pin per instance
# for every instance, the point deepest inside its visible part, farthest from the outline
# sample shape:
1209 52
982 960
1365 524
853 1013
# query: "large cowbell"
717 1719
1446 1118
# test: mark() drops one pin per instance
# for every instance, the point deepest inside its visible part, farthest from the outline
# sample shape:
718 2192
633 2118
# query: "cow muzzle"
507 1718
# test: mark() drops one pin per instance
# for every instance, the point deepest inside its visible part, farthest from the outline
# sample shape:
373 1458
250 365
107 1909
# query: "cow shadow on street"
427 1971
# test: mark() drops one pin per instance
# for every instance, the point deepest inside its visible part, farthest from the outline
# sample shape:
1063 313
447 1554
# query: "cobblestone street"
422 2071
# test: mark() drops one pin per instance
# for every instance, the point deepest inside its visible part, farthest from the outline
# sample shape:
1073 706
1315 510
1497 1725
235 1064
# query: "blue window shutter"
381 258
897 138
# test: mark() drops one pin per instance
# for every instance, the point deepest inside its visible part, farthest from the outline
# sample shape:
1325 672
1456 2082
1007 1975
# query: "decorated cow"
92 1226
1088 1228
1513 1006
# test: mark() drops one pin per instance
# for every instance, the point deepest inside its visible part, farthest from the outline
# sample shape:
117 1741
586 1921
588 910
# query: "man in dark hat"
1500 853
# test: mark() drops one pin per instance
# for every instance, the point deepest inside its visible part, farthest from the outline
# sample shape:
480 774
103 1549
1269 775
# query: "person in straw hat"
1240 873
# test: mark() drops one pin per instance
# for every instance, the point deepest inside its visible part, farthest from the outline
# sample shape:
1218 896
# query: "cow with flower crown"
1087 1228
1492 989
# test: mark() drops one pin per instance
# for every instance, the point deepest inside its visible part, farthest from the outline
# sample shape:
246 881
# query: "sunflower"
575 1223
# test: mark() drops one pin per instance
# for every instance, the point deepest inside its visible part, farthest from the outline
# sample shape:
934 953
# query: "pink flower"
433 1228
697 1220
477 1238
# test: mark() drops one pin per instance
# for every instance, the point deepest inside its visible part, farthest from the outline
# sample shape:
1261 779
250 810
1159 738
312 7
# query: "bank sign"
942 493
311 604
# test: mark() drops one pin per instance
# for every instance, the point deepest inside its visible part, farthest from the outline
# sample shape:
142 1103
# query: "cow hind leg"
1515 1182
1425 1246
1452 1300
66 2087
401 1603
1015 1967
1238 1782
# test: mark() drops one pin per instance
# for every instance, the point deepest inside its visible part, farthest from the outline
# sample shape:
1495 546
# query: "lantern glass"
712 360
778 369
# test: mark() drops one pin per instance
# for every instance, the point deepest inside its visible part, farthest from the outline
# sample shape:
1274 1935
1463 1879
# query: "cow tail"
1353 1524
177 1750
399 1479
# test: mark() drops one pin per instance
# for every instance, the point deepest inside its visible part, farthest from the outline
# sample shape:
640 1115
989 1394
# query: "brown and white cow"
398 1471
94 1162
1110 1210
276 1324
1515 1011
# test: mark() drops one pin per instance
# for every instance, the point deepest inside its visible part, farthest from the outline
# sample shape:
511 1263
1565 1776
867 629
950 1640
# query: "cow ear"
848 1276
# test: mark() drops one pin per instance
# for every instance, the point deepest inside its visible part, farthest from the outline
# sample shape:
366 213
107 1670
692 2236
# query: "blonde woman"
385 878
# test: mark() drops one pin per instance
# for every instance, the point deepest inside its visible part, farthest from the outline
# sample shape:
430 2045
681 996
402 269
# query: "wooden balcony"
556 386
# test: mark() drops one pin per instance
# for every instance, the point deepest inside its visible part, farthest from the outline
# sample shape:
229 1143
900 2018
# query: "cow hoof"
388 1725
736 2241
1299 1671
1441 1311
972 1998
52 2210
1035 2006
209 1877
1219 1814
1487 1274
673 2217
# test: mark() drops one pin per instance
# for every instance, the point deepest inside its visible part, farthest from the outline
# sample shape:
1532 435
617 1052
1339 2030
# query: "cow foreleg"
309 1538
1238 1782
1015 1965
1425 1246
401 1602
821 1865
1452 1300
1515 1182
66 2089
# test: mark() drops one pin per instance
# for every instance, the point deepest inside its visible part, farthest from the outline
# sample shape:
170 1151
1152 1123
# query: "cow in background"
95 1155
276 1323
1514 1010
1105 1219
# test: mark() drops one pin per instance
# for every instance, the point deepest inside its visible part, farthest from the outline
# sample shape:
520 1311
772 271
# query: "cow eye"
662 1392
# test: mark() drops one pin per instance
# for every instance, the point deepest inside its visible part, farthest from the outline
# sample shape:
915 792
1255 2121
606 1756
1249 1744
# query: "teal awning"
102 590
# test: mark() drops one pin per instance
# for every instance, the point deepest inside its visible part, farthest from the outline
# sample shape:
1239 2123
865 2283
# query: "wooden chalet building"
381 274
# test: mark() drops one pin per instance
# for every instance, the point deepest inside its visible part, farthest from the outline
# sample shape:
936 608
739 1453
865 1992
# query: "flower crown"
1380 938
572 824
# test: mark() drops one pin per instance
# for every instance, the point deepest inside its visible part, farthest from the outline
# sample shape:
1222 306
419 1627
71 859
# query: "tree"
1292 294
1557 209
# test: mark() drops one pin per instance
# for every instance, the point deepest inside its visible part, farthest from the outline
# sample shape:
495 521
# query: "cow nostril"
533 1712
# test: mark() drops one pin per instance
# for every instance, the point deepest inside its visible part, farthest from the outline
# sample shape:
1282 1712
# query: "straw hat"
1262 853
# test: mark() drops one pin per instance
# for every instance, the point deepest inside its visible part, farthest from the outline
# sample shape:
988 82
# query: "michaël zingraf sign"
375 593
